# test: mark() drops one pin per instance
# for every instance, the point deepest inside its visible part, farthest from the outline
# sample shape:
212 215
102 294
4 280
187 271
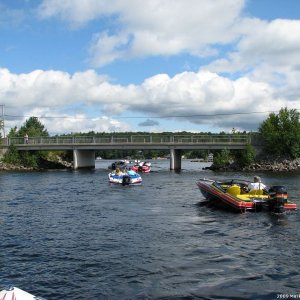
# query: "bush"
12 156
245 157
222 159
281 134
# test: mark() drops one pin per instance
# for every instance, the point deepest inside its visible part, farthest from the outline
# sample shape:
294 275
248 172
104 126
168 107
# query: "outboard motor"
126 180
278 197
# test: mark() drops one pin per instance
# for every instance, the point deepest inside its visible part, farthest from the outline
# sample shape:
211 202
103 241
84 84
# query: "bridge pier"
83 159
175 159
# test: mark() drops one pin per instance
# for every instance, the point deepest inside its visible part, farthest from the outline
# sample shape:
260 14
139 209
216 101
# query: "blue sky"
151 65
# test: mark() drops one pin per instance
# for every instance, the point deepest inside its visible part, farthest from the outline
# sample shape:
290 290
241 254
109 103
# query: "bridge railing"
132 139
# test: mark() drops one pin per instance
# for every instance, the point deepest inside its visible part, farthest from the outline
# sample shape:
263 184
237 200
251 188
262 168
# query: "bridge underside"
83 159
175 159
86 159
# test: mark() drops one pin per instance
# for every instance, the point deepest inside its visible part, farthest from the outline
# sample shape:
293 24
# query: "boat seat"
234 190
256 192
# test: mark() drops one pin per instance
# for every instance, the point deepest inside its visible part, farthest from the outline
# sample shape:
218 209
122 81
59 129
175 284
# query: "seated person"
131 172
256 185
118 171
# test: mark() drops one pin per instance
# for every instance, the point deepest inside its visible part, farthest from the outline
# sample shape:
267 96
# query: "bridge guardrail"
132 139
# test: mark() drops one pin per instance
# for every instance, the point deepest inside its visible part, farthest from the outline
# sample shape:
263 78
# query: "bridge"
84 147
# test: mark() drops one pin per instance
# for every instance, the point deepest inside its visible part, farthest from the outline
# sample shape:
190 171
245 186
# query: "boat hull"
125 179
15 293
217 196
146 168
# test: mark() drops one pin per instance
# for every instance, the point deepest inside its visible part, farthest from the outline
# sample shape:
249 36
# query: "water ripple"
71 234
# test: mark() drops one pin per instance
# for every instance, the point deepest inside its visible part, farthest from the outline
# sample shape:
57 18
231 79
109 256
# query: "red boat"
233 194
144 167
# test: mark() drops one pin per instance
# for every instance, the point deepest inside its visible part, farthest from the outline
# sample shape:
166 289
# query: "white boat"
125 178
15 293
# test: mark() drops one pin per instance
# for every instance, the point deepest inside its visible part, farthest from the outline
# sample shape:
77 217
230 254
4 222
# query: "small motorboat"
128 178
234 194
15 293
142 167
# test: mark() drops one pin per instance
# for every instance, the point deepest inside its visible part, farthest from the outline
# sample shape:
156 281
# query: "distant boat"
128 178
144 167
210 157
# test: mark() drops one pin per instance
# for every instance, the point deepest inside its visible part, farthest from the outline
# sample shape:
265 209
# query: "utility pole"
2 125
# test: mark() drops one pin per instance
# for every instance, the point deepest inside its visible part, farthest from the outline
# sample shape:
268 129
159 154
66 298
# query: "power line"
151 117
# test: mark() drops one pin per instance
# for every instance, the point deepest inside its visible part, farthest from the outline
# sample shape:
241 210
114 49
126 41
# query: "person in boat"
118 171
131 172
256 184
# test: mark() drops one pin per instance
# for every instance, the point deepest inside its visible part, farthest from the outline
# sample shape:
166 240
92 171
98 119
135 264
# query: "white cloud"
151 27
197 98
267 51
76 12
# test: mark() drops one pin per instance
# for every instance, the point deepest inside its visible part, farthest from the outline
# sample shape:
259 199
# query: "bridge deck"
130 142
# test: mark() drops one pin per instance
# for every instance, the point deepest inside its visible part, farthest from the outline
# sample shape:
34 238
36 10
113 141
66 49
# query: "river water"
72 235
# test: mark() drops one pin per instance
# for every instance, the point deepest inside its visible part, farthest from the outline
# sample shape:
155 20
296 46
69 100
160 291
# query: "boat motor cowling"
277 198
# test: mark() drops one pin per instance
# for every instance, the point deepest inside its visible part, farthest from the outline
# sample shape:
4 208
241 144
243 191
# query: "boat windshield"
220 186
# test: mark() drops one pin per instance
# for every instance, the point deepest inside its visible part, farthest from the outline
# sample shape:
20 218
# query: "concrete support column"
83 159
175 159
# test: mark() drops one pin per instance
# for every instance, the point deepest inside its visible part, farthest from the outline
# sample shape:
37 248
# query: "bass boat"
234 194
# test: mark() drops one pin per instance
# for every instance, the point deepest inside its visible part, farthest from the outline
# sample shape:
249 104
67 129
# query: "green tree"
33 127
281 133
222 159
245 157
12 156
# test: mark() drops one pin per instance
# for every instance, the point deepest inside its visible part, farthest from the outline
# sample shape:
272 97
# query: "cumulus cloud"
267 51
61 123
203 97
258 71
143 28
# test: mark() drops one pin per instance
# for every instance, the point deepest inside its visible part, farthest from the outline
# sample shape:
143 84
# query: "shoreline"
47 165
262 166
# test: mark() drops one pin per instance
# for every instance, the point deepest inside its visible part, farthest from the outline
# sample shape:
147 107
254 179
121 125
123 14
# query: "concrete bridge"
84 147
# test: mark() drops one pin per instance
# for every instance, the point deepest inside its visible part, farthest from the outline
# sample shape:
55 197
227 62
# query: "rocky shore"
45 165
284 165
277 166
10 167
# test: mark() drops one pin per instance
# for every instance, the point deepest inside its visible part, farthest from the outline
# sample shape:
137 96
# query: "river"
72 235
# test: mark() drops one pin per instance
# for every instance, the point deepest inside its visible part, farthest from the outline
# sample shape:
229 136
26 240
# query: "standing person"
26 138
256 184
